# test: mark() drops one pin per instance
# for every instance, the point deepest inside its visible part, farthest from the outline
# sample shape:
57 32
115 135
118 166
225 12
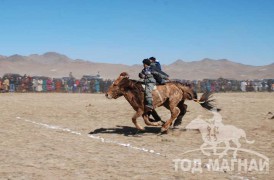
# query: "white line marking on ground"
103 140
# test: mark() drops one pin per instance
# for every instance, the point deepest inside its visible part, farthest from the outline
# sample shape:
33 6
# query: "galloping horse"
171 95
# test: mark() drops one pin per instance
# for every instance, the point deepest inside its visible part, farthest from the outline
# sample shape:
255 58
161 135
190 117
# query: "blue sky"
127 31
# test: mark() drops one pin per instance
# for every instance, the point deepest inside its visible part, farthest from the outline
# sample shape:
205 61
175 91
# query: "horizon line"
91 61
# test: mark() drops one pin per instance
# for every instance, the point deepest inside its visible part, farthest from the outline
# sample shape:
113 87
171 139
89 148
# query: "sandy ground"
46 136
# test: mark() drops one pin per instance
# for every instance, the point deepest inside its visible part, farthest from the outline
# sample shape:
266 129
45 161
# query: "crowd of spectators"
226 85
95 84
87 84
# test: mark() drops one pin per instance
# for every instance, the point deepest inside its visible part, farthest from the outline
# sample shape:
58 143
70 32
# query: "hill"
53 64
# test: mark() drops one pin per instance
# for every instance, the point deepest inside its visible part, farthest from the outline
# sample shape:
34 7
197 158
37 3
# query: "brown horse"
171 95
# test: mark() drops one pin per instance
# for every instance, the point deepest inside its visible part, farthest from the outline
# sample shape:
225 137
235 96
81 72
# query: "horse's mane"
135 87
135 81
137 84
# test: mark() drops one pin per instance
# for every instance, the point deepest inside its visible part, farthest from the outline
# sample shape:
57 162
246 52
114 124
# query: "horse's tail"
189 93
206 101
243 134
249 142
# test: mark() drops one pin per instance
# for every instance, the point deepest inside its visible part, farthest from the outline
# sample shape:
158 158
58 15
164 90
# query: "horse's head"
116 90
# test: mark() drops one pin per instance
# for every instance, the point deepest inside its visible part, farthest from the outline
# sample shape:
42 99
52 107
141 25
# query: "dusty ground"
35 143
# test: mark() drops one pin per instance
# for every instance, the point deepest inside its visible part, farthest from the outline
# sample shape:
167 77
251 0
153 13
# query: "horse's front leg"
148 122
202 149
134 119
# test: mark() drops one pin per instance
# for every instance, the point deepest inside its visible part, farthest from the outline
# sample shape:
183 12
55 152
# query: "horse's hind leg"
134 119
182 108
175 111
236 141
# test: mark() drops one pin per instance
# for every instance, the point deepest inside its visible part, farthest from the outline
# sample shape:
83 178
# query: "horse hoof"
162 122
163 130
159 124
141 129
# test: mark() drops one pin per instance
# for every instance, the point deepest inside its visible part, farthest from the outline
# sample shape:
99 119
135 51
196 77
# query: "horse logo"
215 133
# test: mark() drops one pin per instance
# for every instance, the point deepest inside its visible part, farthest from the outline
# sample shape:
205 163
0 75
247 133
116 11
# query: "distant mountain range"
53 64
